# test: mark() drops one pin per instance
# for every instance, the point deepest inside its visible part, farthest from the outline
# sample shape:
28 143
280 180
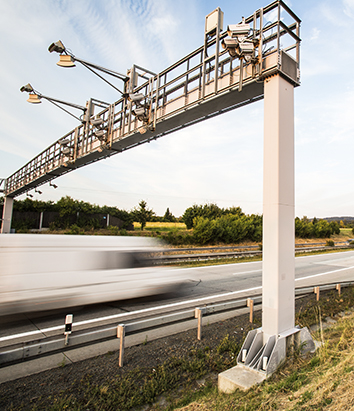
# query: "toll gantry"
226 72
253 59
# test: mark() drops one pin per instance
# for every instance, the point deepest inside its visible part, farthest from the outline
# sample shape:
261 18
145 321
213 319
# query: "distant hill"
345 220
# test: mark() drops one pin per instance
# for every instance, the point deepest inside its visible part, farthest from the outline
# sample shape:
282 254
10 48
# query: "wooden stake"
250 304
316 290
121 336
198 313
338 287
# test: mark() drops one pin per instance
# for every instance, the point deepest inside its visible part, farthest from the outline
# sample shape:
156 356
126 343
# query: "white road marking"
326 273
248 272
122 315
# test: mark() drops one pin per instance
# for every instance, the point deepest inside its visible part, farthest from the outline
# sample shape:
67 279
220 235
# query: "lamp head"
238 30
137 97
34 99
58 47
28 88
65 61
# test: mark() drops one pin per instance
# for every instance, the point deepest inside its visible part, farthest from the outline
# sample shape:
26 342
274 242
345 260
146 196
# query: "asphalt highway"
203 285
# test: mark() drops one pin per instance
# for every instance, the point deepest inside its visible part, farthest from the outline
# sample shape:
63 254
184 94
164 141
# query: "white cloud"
315 33
349 8
218 160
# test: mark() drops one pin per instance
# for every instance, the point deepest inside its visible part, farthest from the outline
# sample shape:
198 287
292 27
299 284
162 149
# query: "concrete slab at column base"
258 361
239 377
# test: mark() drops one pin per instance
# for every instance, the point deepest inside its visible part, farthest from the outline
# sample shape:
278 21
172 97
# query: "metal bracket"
266 358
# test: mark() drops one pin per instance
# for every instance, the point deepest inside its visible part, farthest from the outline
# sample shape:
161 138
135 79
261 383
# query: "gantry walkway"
209 81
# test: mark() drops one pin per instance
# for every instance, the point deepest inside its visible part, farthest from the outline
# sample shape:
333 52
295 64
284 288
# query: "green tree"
142 214
209 211
67 206
169 216
33 205
334 227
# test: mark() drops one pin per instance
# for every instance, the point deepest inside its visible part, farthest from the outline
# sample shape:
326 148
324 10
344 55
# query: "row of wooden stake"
198 314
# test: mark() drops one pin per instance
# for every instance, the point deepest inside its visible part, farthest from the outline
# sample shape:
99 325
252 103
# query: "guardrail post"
338 287
250 305
68 327
121 336
198 313
316 290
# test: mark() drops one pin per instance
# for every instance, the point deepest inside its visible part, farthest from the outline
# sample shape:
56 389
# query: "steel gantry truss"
207 82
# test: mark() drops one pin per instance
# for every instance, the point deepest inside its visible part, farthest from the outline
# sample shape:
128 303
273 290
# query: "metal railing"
189 254
45 346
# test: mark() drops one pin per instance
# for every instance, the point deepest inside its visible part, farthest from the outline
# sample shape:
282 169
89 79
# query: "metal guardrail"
29 350
167 258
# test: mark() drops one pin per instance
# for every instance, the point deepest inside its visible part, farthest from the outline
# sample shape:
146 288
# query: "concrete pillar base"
258 361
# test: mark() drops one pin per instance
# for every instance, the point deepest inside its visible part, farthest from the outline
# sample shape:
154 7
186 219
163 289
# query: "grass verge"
187 380
321 381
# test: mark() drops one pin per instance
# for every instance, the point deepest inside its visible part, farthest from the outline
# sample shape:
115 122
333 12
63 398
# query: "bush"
227 229
176 238
304 228
330 243
75 229
204 230
24 225
209 211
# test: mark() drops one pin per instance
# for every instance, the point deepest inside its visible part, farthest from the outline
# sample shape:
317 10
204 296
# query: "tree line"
207 223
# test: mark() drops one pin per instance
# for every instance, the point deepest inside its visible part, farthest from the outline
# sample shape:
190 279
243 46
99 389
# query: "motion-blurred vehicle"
39 272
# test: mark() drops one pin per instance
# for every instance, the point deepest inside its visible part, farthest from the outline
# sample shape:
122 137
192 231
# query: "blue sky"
219 160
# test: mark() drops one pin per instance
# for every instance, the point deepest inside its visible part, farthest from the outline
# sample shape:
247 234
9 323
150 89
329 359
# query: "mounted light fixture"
239 45
68 59
97 122
100 134
35 98
52 185
37 191
29 195
135 98
58 47
139 111
66 150
28 88
64 142
240 30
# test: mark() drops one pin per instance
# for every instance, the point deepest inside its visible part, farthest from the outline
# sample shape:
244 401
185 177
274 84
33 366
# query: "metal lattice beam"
199 86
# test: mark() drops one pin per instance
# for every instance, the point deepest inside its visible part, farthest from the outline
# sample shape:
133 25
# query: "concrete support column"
41 220
7 215
278 208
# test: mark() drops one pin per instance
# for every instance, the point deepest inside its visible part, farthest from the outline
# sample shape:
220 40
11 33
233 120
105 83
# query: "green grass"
346 232
161 226
314 382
